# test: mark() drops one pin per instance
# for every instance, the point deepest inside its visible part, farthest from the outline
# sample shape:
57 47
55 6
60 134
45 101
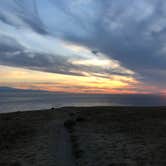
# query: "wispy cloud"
86 38
24 46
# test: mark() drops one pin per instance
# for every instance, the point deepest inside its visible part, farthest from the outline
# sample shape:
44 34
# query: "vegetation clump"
69 124
13 130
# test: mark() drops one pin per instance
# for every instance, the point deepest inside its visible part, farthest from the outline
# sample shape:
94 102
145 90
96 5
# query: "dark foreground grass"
107 136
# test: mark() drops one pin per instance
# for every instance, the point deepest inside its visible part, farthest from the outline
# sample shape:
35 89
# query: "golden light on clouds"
93 62
30 79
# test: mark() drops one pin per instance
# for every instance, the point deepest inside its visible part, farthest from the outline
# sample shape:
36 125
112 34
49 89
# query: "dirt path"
60 146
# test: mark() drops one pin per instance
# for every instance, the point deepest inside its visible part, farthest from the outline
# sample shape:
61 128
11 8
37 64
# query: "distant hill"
9 89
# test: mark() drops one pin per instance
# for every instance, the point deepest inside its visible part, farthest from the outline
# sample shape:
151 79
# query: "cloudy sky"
84 46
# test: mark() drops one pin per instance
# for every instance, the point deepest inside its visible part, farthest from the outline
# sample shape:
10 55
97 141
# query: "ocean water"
24 101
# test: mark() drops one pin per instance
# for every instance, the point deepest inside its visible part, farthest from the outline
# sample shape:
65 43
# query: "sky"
84 46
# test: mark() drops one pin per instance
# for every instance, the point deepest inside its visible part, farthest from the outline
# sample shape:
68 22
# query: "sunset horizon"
89 48
22 78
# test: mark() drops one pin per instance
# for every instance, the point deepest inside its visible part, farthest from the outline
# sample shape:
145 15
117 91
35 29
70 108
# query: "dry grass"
107 136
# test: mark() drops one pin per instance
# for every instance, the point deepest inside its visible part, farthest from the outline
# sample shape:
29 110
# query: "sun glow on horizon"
37 80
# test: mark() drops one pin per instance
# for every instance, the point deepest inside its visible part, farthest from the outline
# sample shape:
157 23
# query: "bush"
16 163
80 119
69 124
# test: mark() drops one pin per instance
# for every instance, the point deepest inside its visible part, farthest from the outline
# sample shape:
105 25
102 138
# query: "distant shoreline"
79 107
19 100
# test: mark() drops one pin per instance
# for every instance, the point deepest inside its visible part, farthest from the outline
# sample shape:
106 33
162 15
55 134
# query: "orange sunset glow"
36 80
30 79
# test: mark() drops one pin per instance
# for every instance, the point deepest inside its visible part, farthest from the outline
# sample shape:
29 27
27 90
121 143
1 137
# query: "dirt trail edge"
60 145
